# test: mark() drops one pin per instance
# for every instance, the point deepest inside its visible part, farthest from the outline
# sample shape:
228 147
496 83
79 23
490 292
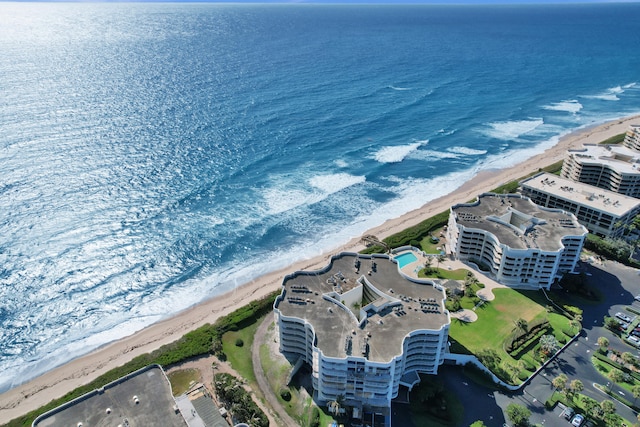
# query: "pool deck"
485 293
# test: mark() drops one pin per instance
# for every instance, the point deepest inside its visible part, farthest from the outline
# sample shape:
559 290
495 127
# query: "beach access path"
55 383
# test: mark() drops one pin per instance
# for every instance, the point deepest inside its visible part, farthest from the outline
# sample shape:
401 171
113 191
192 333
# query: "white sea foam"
397 153
446 132
610 94
341 163
288 194
435 155
466 151
399 88
332 183
512 129
570 106
281 199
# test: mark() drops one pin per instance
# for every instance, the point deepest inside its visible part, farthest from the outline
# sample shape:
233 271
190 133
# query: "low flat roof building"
364 328
142 398
602 212
517 241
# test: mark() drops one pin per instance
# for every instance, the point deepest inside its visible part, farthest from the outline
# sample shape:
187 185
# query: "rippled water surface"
154 155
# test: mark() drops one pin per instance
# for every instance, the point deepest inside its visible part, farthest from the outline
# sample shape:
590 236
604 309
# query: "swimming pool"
405 259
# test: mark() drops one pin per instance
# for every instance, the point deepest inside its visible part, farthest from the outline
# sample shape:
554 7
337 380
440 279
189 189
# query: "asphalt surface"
618 285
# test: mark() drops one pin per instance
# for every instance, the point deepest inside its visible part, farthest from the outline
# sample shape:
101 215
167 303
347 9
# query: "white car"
623 317
637 298
577 420
634 340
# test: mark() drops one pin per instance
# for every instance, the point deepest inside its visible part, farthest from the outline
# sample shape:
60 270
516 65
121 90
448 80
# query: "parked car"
622 325
568 413
633 340
623 317
577 420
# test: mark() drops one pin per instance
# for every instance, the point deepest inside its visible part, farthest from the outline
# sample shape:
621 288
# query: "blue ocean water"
155 155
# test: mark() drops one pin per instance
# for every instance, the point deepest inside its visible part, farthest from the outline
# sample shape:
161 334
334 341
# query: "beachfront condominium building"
364 328
603 212
632 138
515 240
610 167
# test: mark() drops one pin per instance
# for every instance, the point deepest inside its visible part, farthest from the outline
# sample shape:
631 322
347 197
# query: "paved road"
618 285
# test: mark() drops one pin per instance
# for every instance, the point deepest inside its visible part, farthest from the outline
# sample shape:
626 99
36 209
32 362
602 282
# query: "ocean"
155 155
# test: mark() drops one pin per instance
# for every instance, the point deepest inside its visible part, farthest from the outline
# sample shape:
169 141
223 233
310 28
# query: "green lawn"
429 246
240 357
441 273
604 368
496 322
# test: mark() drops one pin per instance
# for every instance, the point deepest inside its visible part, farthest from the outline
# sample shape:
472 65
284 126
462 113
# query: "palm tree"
440 258
428 261
603 343
576 386
521 325
548 344
615 375
607 407
636 393
559 382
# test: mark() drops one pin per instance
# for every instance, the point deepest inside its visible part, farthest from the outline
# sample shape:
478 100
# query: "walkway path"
465 315
489 284
263 383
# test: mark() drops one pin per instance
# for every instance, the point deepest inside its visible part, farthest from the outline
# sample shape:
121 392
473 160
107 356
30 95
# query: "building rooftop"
394 305
584 194
617 157
518 222
142 398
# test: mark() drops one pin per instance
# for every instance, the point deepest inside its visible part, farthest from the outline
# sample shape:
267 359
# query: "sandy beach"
65 378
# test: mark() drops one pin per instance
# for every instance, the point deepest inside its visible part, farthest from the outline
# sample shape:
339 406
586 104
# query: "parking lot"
618 286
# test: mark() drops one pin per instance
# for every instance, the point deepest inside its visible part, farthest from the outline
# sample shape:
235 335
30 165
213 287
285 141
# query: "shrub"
315 417
617 250
574 311
239 342
453 304
528 365
522 338
285 394
616 139
229 389
418 231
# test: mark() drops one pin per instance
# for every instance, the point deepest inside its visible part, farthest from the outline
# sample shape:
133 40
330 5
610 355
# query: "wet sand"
59 381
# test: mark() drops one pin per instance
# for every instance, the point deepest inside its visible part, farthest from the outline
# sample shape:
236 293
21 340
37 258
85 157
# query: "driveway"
618 285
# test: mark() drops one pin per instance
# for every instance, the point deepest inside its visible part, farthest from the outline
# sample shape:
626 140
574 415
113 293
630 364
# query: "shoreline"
53 384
